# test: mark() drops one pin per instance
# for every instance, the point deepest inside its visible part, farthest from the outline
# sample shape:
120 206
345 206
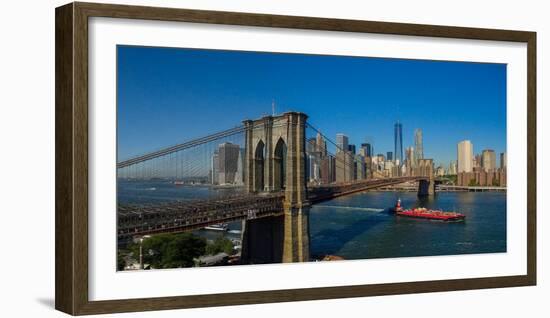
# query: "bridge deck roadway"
179 216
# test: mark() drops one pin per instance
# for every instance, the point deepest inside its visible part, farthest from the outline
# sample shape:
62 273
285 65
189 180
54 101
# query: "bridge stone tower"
275 161
425 169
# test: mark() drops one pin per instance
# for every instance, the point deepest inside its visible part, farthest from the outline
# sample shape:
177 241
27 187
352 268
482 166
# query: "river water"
361 226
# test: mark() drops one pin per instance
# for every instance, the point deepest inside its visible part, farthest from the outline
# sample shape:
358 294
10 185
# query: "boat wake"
350 208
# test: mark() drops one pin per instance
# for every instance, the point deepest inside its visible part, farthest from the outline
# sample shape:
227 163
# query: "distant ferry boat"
217 227
177 182
424 213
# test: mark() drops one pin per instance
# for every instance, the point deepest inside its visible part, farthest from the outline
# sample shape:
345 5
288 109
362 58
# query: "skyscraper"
344 167
465 156
418 146
239 176
313 159
341 142
409 158
368 149
488 160
389 156
409 155
228 162
311 145
503 163
321 144
398 143
215 168
314 168
351 148
477 161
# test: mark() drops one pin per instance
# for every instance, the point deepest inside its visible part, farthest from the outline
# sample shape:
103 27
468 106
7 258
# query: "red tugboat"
424 213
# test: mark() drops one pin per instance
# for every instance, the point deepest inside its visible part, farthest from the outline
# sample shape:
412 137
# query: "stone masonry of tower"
275 161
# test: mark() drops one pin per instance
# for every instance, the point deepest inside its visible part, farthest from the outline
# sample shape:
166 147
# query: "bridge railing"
181 215
324 192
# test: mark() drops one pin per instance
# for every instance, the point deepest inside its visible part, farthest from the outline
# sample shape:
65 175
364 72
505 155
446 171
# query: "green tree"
451 177
120 262
220 245
472 183
171 250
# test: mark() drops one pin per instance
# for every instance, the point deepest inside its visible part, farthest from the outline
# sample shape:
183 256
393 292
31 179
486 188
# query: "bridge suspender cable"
179 147
203 140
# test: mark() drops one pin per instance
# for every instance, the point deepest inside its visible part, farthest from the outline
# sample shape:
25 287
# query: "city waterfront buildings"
495 178
226 165
439 171
453 167
320 165
368 149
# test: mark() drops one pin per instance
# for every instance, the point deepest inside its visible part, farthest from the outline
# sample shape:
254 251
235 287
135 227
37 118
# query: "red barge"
424 213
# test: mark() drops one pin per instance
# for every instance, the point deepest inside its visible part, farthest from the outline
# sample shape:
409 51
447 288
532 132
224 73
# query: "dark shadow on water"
342 236
47 302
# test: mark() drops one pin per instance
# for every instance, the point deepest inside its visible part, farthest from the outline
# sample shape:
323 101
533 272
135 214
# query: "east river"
361 226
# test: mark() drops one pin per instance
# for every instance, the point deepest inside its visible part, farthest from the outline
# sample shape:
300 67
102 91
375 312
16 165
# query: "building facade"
214 168
503 163
342 142
452 168
495 178
344 167
488 160
398 143
368 149
228 162
351 149
418 146
321 144
409 161
465 156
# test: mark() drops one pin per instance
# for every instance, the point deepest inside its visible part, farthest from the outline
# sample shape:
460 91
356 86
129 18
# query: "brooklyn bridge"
278 185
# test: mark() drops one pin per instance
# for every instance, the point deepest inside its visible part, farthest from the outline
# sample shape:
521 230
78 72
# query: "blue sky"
170 95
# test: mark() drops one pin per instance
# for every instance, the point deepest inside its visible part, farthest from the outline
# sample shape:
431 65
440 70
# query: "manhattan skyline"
169 95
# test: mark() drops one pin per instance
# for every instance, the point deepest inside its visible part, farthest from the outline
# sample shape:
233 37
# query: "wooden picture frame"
71 90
